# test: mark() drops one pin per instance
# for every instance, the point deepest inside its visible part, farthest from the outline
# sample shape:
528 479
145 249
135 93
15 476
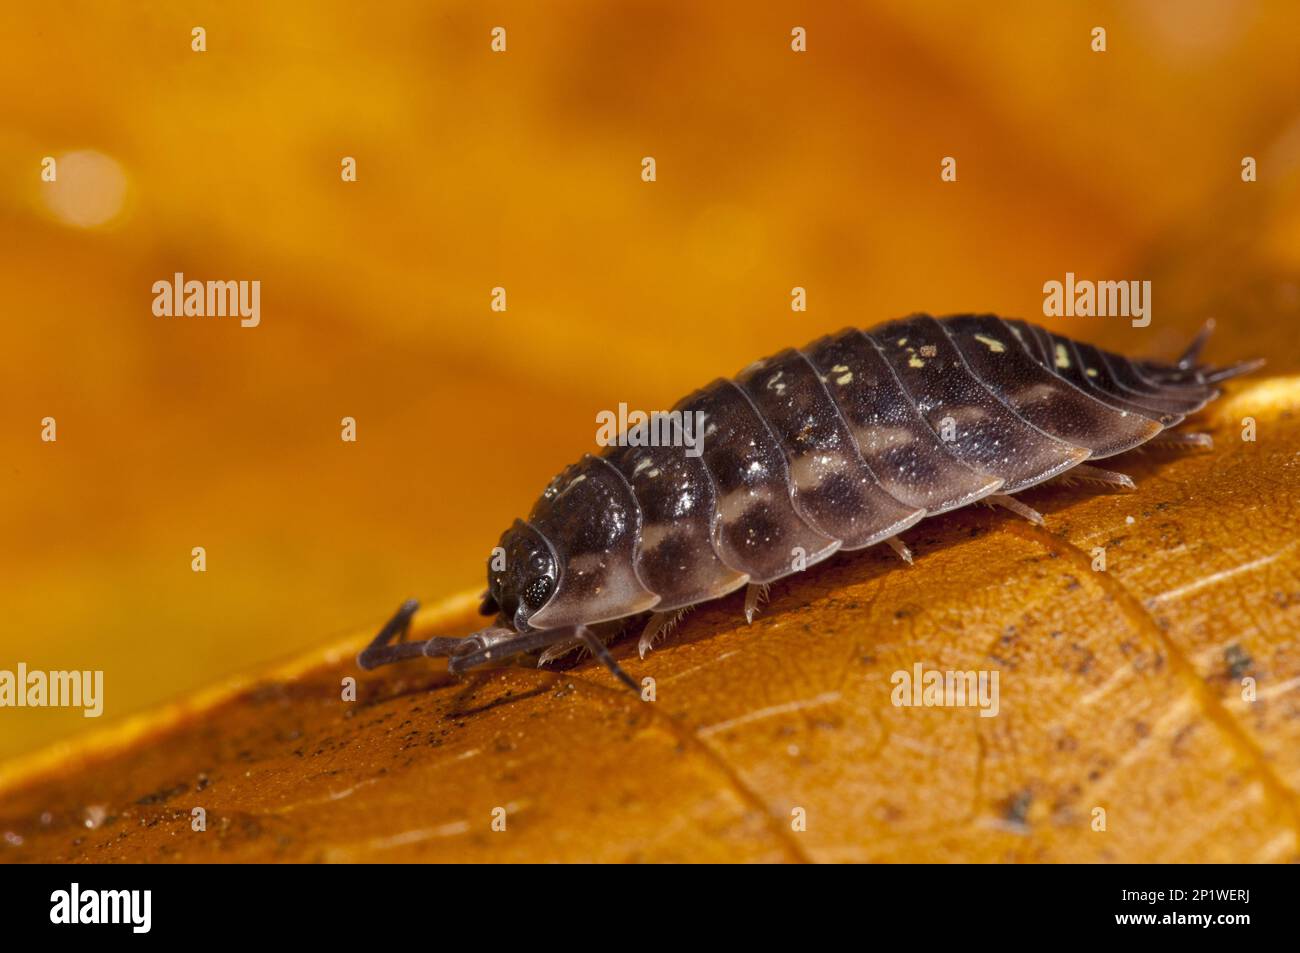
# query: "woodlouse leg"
754 593
1182 441
1015 506
1093 474
598 649
660 624
900 547
558 651
574 644
379 652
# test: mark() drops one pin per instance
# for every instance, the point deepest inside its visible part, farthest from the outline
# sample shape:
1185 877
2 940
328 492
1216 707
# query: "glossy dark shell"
841 445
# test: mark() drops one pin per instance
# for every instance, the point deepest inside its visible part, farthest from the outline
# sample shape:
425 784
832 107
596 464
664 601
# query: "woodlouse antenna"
498 643
380 652
494 643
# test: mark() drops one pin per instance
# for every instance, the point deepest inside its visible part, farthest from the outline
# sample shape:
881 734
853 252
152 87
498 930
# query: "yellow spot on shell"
915 361
902 341
844 379
993 344
1062 356
1091 372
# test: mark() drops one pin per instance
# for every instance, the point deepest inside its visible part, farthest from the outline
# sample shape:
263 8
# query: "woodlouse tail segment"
1187 360
1007 357
1104 377
1187 373
1214 375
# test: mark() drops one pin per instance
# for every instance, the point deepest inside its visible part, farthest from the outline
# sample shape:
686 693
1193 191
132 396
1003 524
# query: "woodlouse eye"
538 591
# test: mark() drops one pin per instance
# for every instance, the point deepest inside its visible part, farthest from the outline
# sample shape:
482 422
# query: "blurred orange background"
522 169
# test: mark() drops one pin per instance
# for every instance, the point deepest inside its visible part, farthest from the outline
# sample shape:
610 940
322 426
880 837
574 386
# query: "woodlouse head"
522 579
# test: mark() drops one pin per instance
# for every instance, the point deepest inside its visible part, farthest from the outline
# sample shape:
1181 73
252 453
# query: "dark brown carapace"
842 444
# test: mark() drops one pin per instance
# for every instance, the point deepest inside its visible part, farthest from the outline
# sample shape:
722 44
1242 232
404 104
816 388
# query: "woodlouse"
840 445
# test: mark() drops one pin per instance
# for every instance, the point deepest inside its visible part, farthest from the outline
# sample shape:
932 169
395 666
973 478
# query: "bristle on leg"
754 594
660 624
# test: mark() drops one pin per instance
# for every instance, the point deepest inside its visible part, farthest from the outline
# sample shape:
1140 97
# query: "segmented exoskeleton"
842 444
